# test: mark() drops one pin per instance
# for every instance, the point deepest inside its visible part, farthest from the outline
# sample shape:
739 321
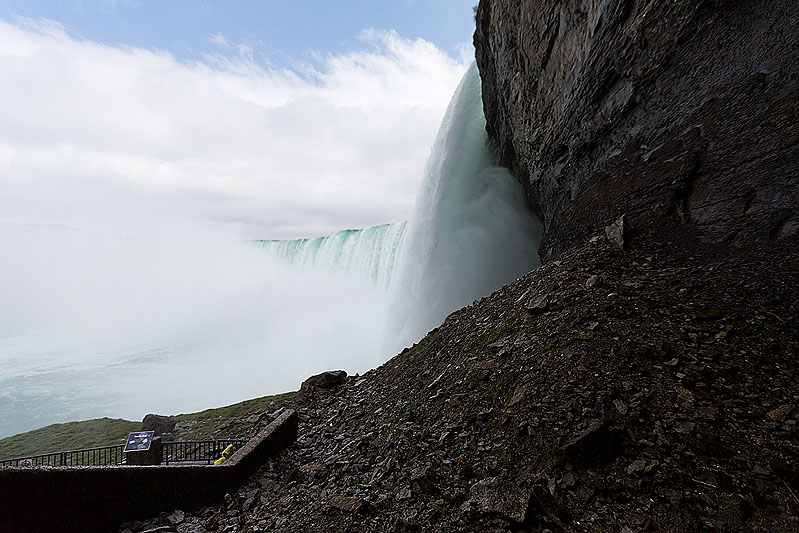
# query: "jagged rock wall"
683 111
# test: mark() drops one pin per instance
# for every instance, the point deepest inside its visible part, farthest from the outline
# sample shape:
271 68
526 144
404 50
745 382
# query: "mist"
100 324
131 183
130 279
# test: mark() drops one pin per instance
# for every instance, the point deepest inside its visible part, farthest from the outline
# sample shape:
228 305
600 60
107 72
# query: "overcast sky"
274 119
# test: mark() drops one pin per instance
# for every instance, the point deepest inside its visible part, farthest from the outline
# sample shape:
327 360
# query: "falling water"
369 253
470 232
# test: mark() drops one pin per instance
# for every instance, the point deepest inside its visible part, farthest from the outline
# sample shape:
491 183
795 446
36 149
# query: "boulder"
350 504
498 497
314 470
616 232
597 444
781 413
324 381
160 424
538 304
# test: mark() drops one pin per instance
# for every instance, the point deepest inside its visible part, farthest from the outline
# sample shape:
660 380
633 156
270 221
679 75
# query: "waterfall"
470 232
369 253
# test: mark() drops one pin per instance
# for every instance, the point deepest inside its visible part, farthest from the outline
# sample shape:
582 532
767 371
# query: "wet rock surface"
671 112
655 391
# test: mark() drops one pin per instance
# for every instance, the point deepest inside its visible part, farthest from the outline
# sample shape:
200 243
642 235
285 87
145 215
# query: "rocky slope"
681 110
651 389
646 378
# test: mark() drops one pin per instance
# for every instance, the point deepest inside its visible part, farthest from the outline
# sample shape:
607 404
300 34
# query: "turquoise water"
369 253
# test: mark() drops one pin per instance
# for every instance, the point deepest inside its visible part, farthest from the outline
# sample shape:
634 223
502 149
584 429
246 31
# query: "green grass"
238 409
229 421
69 436
108 431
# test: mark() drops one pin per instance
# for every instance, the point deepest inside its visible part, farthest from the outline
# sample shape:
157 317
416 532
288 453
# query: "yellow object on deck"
226 453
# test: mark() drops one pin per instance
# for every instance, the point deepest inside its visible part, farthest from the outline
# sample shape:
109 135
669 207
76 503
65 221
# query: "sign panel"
139 441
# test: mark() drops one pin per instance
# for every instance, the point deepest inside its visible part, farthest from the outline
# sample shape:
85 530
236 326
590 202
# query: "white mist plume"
94 324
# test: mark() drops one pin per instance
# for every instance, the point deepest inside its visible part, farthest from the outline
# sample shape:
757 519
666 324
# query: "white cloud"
92 135
219 40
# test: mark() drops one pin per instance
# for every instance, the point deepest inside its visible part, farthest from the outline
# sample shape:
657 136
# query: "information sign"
139 441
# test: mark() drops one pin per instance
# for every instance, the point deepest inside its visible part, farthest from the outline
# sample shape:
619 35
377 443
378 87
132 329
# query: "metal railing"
104 455
195 451
198 451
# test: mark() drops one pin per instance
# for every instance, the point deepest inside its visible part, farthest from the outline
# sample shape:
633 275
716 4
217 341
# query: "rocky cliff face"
671 112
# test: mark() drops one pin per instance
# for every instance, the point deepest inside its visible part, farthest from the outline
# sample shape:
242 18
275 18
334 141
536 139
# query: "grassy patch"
232 421
227 421
69 436
239 409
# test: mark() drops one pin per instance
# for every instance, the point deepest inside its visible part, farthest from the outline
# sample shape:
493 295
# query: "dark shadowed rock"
327 380
781 413
314 470
176 517
496 496
679 112
538 304
595 445
159 423
351 504
544 506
